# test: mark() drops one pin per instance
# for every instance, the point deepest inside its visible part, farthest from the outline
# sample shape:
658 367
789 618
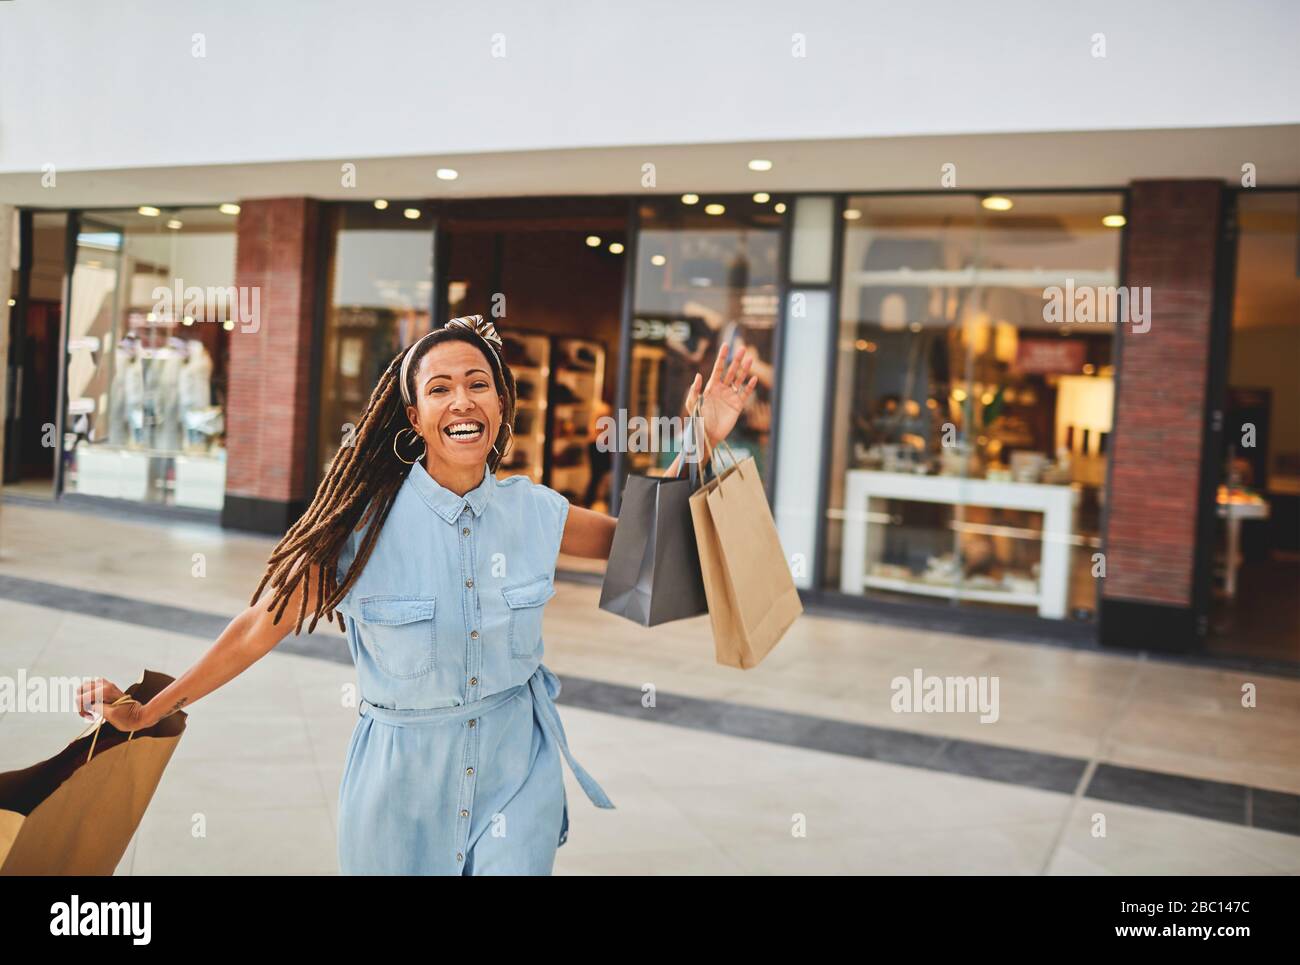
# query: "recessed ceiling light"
228 208
616 247
448 174
658 260
996 202
175 224
148 210
714 208
690 199
779 207
412 213
762 197
593 241
759 164
380 204
187 320
13 302
1114 221
228 325
852 214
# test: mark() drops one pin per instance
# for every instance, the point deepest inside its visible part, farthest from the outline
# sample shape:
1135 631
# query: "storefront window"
379 288
152 306
973 410
707 273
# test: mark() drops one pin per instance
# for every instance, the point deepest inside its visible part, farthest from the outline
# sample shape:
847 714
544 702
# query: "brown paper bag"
752 596
75 813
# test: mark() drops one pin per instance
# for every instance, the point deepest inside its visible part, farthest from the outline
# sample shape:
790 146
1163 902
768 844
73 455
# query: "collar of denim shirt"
446 503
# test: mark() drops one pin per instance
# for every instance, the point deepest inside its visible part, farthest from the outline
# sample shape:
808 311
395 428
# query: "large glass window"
152 306
707 273
379 289
975 388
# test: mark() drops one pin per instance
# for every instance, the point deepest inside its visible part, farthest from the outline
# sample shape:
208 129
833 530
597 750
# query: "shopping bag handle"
702 442
125 698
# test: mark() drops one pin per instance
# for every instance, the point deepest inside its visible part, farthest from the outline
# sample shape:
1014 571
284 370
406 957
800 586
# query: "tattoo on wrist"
176 706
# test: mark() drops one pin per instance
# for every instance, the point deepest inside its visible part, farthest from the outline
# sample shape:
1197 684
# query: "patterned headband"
473 323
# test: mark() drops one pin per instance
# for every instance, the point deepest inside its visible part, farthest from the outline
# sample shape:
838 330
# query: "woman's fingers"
734 367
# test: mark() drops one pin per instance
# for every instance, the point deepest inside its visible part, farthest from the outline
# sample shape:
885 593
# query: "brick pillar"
1148 597
269 404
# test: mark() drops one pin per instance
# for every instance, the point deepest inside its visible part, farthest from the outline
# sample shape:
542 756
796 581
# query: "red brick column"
267 418
1171 245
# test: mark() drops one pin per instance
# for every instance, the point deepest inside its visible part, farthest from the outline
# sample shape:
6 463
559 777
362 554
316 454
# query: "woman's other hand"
724 395
99 695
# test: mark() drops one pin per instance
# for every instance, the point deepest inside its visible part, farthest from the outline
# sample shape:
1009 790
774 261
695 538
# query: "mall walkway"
716 775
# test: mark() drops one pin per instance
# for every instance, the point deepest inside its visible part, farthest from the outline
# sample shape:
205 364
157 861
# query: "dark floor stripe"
1218 801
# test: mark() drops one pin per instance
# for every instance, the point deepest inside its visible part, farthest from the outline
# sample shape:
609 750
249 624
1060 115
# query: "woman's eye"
480 385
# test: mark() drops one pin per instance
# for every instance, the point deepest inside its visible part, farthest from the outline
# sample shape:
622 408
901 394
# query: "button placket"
473 648
466 802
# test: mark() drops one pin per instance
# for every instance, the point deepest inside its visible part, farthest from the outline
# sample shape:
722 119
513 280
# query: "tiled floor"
799 766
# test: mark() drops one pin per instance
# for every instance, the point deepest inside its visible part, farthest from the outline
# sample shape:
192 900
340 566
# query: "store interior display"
146 378
976 429
529 357
578 375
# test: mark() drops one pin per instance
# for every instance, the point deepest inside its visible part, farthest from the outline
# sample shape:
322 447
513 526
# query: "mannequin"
195 394
126 404
168 362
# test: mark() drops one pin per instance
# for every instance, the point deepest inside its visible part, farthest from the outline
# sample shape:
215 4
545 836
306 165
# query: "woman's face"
457 410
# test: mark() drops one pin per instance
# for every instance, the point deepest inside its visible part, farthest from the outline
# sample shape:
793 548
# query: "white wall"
86 84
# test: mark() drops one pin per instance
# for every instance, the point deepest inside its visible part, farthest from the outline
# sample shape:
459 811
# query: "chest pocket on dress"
399 631
526 601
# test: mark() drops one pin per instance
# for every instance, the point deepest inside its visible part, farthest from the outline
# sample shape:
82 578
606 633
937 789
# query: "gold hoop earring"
502 455
397 435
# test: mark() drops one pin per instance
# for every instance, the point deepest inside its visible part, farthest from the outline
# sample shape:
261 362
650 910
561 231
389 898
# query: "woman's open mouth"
464 431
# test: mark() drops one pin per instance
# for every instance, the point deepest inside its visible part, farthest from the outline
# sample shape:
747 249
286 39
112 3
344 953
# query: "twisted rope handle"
125 698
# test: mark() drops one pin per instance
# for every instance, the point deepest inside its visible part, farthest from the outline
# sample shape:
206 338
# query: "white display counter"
863 547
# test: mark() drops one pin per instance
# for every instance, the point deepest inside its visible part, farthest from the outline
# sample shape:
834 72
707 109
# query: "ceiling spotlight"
779 207
758 164
996 202
175 224
187 320
1114 221
616 247
228 208
228 325
380 204
148 210
447 174
658 260
852 214
714 209
690 199
593 241
762 197
412 213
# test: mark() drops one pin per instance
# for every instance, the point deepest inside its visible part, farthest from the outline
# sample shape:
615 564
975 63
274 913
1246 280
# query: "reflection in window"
704 279
380 286
971 422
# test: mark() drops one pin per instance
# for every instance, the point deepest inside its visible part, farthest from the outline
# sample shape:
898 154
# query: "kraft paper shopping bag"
751 594
75 813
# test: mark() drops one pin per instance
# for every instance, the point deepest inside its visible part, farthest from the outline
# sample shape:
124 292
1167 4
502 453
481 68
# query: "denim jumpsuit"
454 763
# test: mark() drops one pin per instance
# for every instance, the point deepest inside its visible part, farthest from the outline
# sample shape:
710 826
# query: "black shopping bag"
653 574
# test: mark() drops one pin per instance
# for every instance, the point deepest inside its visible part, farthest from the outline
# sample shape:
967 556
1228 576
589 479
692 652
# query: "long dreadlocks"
361 485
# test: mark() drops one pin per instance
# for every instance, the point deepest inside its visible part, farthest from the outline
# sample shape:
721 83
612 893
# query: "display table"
1234 505
861 546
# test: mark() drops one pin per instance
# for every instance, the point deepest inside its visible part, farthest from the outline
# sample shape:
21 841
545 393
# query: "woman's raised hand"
724 395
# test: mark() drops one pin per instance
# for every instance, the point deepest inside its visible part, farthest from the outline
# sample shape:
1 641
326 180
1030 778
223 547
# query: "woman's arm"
248 637
591 534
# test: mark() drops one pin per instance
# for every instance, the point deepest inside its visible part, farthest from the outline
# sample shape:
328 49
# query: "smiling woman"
439 573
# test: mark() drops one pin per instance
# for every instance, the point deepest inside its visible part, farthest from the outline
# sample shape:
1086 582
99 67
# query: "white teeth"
464 430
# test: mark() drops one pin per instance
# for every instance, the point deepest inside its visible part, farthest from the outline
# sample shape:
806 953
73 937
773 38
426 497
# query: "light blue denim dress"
454 763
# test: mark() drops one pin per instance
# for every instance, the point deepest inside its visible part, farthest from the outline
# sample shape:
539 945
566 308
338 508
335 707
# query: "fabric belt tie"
545 686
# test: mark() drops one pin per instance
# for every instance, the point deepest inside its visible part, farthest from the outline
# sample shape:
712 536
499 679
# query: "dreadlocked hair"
361 485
